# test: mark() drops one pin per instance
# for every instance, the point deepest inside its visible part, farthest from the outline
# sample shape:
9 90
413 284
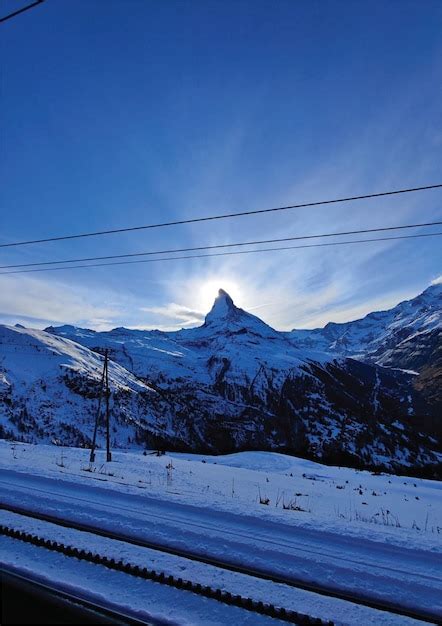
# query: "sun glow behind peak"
208 291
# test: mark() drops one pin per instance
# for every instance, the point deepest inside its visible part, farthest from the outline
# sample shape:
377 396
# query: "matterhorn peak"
224 296
226 316
221 308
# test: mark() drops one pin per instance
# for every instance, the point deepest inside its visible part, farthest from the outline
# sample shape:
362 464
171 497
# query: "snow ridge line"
225 597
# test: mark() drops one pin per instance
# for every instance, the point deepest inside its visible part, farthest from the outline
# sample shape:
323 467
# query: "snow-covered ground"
380 535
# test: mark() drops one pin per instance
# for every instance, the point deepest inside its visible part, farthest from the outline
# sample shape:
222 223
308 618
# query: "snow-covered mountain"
234 383
383 336
408 336
232 346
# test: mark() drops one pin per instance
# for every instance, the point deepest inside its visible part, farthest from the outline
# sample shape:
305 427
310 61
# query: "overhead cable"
221 217
218 254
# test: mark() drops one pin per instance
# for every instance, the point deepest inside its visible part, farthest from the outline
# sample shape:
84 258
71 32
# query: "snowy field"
379 534
396 509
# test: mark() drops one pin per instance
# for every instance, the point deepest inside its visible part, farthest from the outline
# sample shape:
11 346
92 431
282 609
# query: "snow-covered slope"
49 388
32 355
235 383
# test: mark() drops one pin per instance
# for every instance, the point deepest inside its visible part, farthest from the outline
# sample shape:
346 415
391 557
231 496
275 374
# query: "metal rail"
381 605
84 609
225 597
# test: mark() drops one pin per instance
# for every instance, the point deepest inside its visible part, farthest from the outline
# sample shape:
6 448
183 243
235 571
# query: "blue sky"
117 113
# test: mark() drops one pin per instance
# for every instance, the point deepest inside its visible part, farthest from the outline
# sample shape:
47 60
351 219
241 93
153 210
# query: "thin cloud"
340 314
46 303
177 312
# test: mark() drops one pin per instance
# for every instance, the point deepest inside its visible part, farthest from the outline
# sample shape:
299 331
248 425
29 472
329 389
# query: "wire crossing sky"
10 16
230 245
211 218
151 113
218 254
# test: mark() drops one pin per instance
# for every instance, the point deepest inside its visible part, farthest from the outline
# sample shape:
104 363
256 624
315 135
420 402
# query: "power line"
217 254
222 216
226 245
22 10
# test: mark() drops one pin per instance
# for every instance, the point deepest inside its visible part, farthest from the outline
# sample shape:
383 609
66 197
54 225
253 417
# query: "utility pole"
108 452
104 385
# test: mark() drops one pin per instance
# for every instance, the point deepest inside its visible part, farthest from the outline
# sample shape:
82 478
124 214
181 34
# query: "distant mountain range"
384 337
408 336
365 393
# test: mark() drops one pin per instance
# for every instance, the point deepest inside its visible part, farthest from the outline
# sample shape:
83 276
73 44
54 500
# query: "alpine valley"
366 393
